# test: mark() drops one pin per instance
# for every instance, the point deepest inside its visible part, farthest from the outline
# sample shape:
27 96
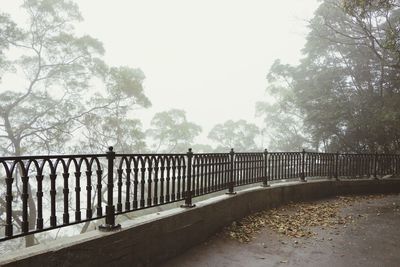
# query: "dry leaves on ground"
295 220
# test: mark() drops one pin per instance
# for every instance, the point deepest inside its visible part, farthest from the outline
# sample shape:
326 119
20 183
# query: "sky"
208 57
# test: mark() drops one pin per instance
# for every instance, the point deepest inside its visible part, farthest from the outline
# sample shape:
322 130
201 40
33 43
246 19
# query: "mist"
170 91
156 76
207 58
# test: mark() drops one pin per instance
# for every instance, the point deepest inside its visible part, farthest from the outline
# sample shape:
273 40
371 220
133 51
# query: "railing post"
188 198
375 165
265 181
303 159
110 209
337 166
231 173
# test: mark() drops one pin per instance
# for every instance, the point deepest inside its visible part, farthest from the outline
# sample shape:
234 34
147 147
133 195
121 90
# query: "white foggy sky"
208 57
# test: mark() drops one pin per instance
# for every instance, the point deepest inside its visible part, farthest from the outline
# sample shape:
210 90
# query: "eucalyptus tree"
54 79
115 124
56 91
239 135
284 130
346 89
171 132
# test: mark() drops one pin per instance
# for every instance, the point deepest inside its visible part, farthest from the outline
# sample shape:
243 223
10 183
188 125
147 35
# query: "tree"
239 135
114 125
284 130
171 132
346 88
64 87
57 71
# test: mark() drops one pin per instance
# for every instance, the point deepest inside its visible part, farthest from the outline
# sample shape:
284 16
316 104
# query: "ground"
342 231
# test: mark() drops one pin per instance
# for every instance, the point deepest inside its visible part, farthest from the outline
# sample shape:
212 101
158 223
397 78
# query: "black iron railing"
40 193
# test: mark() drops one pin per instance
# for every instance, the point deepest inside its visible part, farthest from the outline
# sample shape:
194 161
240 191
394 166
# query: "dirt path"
364 232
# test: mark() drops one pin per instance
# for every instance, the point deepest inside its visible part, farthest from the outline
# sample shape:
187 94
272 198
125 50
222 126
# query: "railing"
40 193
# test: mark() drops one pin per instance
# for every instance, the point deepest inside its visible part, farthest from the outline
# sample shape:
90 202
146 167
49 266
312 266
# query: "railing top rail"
57 156
366 154
148 154
38 157
212 154
285 152
249 153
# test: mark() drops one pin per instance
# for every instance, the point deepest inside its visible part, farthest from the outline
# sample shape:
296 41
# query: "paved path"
372 240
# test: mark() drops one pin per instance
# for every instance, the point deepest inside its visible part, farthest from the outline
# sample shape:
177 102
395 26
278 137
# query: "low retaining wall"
151 239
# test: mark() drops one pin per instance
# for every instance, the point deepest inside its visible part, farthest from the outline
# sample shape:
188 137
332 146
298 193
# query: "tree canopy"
346 90
62 82
239 135
172 132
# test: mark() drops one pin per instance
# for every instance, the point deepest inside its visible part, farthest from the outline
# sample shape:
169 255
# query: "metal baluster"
275 166
197 175
142 181
212 161
89 194
337 166
184 170
128 187
278 167
53 217
39 194
162 179
119 187
178 179
9 197
167 197
99 209
303 157
219 171
135 182
156 168
77 195
202 177
208 167
24 197
66 196
173 178
149 180
284 166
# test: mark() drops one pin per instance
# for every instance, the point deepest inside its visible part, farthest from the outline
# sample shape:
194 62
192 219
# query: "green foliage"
239 135
345 91
284 129
171 132
55 101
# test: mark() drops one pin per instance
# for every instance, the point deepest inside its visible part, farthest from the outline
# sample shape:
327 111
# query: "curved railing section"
40 193
148 180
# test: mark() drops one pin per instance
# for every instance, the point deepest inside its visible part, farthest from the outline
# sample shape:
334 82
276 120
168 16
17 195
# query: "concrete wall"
150 239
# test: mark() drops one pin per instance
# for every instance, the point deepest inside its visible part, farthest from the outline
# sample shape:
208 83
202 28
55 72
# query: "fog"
164 76
185 73
209 58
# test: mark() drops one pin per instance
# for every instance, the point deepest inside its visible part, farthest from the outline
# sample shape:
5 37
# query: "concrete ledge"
153 238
